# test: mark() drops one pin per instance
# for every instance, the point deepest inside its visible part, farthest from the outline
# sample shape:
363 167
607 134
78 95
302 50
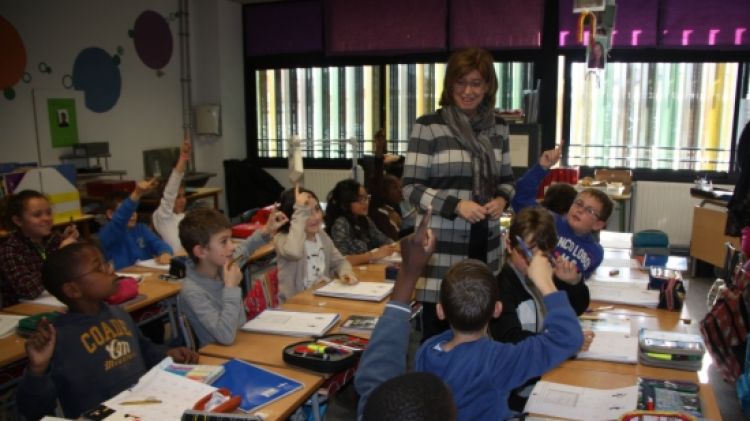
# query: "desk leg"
315 403
171 304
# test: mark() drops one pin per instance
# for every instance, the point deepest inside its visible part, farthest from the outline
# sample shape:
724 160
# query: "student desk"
261 348
282 408
606 376
308 298
11 349
153 290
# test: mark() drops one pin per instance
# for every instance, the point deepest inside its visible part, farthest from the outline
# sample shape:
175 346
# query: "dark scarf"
471 133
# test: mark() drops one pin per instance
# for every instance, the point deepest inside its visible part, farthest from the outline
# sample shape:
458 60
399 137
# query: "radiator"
319 181
664 206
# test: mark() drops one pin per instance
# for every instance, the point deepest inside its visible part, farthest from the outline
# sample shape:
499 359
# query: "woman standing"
458 162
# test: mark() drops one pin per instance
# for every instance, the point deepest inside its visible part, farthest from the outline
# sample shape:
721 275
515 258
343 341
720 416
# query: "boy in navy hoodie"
92 352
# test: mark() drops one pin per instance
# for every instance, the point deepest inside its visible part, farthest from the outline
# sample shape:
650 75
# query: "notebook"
256 386
366 291
614 341
46 299
623 293
292 323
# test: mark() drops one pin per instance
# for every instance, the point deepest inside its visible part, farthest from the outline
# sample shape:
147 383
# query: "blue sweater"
124 245
584 250
482 373
385 356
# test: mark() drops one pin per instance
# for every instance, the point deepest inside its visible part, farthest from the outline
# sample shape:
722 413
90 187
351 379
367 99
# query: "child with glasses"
305 253
90 353
352 231
588 214
531 232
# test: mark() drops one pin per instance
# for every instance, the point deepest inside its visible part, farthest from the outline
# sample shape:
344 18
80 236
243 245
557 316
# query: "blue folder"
256 386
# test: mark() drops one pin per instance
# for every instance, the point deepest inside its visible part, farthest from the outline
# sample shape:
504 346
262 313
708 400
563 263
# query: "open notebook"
367 291
291 323
614 340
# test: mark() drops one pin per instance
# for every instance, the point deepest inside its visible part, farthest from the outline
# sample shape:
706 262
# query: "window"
324 106
332 104
653 115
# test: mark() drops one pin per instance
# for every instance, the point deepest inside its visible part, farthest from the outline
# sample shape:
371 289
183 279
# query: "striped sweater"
437 173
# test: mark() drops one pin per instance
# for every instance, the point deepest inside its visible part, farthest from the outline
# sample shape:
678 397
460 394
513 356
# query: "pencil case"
319 356
28 325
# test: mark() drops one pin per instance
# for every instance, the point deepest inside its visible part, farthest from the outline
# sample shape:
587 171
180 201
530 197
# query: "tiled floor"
344 405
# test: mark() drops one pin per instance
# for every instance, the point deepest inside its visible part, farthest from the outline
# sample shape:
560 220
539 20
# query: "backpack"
725 327
263 294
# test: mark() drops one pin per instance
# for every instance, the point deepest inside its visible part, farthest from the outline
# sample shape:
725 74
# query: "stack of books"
680 351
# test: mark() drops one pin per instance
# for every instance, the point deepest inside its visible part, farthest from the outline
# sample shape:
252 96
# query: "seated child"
385 203
94 338
479 371
28 217
588 214
523 306
304 252
211 296
559 197
171 208
125 240
351 230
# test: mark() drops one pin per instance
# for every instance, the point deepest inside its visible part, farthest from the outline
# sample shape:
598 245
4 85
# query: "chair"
186 329
733 261
614 176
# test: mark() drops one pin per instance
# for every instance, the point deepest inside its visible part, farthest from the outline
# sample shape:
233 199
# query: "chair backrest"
733 261
263 293
186 329
622 176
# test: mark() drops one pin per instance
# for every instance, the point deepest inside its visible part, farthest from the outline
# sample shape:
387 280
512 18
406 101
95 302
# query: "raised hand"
70 235
41 346
276 220
550 157
416 250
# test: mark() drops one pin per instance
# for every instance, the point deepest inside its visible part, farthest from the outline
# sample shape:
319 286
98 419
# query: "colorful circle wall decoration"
95 72
153 40
12 58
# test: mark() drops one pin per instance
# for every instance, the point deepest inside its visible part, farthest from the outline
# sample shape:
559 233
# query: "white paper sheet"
632 293
46 299
176 393
616 240
151 263
615 339
8 324
581 403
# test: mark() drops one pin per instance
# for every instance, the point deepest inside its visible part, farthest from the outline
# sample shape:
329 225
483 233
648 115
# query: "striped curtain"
653 115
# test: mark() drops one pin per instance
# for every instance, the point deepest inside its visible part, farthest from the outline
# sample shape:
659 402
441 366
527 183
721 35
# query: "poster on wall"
63 125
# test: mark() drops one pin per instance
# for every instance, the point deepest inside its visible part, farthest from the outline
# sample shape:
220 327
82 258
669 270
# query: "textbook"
199 372
292 323
669 395
256 386
365 291
358 323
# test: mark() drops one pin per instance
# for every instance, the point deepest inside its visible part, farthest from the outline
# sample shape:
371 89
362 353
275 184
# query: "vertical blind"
653 115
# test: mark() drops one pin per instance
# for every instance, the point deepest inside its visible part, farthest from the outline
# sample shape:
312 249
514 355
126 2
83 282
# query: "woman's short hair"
464 61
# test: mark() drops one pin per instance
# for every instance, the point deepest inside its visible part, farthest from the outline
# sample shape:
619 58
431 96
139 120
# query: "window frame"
654 55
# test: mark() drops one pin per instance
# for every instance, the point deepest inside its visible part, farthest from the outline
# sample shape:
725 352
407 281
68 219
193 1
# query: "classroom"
646 99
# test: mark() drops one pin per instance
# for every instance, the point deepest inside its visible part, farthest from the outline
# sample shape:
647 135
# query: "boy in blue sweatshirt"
479 371
588 214
125 240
